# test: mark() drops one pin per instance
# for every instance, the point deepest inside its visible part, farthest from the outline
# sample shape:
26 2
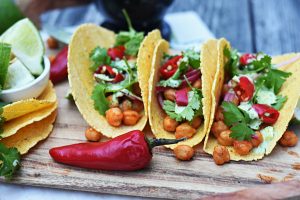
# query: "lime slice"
5 50
27 45
18 75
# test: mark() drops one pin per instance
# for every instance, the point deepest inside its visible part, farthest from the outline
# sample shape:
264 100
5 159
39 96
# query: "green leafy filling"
99 57
9 161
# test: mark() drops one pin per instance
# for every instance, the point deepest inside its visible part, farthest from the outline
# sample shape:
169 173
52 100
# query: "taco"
179 97
108 76
254 97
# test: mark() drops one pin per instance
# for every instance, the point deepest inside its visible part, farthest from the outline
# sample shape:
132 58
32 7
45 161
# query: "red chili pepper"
59 70
244 59
267 114
245 89
170 67
116 52
106 68
127 152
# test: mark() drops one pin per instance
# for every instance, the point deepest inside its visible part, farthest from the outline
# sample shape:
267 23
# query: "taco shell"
156 114
84 40
290 89
30 135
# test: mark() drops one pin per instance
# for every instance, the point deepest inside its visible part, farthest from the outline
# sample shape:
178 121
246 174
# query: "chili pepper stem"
127 18
161 141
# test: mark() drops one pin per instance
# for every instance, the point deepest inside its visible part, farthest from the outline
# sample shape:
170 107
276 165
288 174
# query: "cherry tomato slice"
170 67
245 89
267 114
116 52
245 58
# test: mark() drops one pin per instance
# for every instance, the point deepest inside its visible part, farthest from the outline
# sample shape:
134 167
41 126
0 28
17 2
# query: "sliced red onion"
254 136
229 96
159 89
182 97
192 72
191 79
160 99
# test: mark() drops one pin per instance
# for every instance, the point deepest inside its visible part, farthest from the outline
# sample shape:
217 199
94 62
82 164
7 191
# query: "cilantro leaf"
280 100
275 79
262 64
169 108
5 50
241 132
193 58
99 57
133 45
232 114
231 67
9 161
100 102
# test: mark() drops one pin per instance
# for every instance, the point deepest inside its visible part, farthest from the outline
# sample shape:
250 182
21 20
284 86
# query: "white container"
31 90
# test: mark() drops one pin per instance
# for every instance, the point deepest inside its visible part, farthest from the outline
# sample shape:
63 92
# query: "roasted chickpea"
219 114
112 102
131 117
184 130
137 106
218 127
169 94
196 123
184 152
289 139
92 135
225 89
126 105
51 58
197 84
114 116
225 139
242 147
52 43
221 155
170 124
257 139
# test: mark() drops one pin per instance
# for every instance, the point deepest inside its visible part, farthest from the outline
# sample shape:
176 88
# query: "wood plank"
225 19
166 177
276 25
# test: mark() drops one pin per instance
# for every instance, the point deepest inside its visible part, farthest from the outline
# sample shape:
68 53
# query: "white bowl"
31 90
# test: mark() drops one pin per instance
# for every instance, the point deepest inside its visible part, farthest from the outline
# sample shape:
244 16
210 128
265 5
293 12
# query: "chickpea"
137 106
92 135
126 105
184 130
52 43
197 84
221 155
114 116
169 94
242 147
184 152
288 139
131 117
170 124
219 114
196 123
218 127
225 139
225 89
257 139
112 102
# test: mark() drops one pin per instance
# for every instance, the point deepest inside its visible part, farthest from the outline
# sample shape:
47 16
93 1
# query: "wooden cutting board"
166 177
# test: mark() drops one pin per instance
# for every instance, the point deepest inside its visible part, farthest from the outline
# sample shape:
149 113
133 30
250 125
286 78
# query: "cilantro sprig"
238 120
193 58
130 39
100 102
9 161
99 57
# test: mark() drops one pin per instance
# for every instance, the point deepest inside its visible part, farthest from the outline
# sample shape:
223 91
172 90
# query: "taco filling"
250 102
179 93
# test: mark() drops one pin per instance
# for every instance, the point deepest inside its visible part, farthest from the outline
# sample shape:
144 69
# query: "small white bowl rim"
31 84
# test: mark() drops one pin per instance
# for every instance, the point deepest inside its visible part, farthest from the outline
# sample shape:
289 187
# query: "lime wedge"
27 45
5 50
18 75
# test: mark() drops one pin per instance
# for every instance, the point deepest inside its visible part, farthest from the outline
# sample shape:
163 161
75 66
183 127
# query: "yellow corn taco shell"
84 40
290 89
208 69
25 112
30 135
23 107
